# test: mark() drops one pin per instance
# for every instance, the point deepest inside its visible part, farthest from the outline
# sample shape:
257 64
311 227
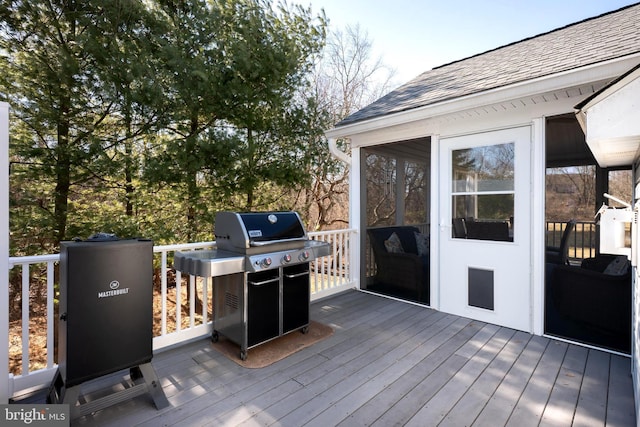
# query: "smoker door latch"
63 317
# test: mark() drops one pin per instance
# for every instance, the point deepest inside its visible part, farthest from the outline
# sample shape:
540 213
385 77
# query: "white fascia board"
609 91
566 79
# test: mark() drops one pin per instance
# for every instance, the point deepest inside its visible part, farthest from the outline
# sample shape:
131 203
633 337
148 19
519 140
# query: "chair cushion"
393 244
618 266
422 243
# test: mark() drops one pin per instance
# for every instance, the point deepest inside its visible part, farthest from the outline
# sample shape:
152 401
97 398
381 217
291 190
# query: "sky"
414 36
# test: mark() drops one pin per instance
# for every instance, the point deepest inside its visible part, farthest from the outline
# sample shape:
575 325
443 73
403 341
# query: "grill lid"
265 227
238 231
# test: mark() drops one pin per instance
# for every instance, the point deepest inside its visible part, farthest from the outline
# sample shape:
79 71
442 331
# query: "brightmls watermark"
35 415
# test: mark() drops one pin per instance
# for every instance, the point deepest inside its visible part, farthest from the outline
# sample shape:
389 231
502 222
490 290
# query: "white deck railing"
180 311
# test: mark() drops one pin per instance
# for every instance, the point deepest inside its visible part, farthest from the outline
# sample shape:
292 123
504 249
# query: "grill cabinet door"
263 306
295 297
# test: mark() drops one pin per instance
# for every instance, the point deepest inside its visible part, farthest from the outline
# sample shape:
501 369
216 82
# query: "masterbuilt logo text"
34 415
114 290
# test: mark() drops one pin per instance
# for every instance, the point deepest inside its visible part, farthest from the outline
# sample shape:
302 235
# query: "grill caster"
305 330
243 355
214 336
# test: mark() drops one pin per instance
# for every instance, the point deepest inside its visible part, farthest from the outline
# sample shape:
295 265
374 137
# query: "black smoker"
106 319
260 272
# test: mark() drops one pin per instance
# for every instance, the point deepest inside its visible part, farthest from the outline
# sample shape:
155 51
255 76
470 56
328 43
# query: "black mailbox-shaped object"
106 319
106 307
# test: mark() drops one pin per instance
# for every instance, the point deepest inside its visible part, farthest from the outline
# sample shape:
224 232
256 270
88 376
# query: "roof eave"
607 119
566 79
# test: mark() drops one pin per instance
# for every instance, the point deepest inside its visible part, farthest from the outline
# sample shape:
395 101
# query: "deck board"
620 410
426 359
591 409
389 363
534 398
564 396
500 406
477 395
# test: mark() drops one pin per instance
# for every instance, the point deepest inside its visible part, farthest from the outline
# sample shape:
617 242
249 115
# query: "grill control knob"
286 258
265 262
304 255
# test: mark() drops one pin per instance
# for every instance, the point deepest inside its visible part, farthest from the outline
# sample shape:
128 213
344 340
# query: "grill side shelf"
209 263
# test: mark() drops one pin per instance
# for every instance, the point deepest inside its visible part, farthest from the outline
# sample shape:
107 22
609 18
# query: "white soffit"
611 122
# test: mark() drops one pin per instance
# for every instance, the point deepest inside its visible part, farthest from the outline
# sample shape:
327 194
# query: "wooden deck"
390 363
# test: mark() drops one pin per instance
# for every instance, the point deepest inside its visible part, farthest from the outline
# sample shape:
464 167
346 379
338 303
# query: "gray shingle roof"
609 36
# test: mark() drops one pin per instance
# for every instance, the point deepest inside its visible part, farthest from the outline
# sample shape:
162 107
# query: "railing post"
5 382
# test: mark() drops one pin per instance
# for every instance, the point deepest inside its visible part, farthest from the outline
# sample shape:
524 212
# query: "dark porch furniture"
406 270
488 230
459 228
560 254
586 304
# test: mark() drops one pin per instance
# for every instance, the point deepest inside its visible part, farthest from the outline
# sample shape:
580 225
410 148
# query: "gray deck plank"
476 397
530 407
430 357
482 352
431 385
406 323
620 410
499 408
388 363
368 381
284 408
560 408
591 409
387 349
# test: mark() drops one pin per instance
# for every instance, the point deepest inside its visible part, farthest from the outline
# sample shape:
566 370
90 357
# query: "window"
483 192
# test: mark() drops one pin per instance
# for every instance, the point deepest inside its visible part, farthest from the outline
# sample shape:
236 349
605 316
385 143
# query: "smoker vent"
231 300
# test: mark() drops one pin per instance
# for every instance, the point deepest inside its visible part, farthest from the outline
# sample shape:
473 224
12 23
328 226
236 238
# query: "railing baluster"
340 261
192 301
332 264
25 318
178 301
50 314
582 240
163 286
205 301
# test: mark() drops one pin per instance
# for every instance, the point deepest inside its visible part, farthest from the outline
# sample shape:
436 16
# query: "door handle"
264 282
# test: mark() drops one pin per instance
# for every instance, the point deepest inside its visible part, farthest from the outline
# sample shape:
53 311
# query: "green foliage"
144 117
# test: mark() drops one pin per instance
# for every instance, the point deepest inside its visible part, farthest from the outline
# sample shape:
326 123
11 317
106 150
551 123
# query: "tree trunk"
192 200
63 176
128 164
250 183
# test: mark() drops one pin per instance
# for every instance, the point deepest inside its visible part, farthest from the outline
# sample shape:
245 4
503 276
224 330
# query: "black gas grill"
260 271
